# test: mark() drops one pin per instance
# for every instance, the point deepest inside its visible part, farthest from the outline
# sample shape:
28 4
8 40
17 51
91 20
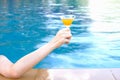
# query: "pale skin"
16 70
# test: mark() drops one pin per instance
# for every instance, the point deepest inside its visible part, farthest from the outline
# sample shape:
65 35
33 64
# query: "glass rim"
67 16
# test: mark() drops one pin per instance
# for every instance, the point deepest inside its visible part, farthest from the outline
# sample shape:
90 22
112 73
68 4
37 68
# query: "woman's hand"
16 70
62 36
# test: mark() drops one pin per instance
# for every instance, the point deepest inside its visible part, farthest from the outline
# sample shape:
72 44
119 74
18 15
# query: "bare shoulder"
2 57
5 64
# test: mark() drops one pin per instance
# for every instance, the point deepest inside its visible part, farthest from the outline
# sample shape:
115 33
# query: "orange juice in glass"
67 20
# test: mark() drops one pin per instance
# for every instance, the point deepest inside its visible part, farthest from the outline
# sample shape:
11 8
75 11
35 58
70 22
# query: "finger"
66 29
68 35
67 41
68 38
67 32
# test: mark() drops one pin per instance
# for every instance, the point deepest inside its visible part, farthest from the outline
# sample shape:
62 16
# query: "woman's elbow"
7 68
12 74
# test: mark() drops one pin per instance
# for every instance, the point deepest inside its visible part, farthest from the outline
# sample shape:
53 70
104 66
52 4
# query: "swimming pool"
25 25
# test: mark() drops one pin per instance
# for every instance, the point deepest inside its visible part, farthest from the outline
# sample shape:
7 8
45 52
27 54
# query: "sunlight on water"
26 25
106 28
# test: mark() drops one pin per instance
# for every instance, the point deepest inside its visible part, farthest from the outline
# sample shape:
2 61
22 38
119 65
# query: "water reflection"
105 28
25 25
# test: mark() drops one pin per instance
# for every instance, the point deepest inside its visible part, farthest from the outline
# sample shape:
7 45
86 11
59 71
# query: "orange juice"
67 22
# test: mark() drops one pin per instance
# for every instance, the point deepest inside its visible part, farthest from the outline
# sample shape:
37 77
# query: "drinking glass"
67 20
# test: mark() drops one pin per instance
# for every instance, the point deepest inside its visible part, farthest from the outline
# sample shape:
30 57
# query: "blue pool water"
26 25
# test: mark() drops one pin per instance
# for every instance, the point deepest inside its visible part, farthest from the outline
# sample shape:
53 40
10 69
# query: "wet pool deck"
70 74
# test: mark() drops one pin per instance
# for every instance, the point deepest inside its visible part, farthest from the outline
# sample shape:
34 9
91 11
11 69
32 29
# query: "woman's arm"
11 70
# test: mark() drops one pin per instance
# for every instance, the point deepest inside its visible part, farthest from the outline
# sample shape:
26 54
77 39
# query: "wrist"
51 45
